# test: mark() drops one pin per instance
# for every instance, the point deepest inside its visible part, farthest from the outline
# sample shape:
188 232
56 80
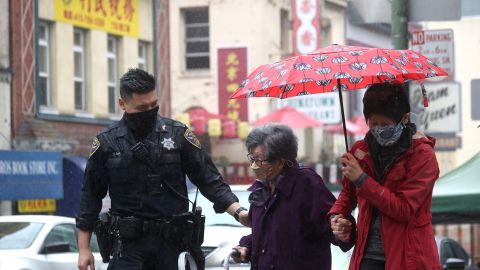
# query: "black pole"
343 113
353 200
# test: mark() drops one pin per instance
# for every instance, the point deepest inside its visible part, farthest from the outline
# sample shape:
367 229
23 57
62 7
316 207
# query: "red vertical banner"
306 26
232 70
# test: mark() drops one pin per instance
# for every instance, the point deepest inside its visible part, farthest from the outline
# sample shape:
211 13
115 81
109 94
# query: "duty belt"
130 227
160 227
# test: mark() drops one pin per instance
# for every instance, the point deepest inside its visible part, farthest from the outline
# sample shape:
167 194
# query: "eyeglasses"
252 160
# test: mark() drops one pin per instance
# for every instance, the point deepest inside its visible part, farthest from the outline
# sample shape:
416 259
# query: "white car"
41 242
222 233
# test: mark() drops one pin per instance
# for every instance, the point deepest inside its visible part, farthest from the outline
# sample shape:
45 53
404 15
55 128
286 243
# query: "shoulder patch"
95 146
191 138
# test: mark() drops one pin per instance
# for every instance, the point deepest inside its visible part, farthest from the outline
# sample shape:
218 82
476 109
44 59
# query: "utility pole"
400 29
400 24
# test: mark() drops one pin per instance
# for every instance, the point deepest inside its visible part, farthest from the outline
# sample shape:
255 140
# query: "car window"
63 233
460 252
18 235
446 251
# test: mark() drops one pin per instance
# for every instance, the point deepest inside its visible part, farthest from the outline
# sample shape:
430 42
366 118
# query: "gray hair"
278 140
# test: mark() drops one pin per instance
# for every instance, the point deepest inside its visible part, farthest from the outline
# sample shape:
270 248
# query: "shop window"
112 59
475 88
79 79
44 71
197 40
143 55
285 33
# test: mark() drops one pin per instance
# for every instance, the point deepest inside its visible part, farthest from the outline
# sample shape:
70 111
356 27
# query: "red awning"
356 126
199 112
290 117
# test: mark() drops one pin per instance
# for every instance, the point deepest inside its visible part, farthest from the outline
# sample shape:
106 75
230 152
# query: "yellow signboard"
36 206
120 17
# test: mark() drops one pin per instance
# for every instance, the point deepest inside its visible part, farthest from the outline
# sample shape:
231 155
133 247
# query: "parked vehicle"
449 249
41 242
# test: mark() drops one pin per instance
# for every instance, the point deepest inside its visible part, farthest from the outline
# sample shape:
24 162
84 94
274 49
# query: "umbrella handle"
352 186
339 88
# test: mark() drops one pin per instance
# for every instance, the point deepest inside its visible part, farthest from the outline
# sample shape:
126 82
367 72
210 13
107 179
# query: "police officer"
141 193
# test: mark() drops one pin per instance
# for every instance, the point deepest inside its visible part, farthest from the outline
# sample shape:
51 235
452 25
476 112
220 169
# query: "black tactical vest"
135 188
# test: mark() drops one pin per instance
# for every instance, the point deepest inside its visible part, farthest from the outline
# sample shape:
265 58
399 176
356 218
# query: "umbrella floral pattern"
347 67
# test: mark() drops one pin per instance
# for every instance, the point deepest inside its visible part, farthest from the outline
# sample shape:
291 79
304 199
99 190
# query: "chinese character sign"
232 69
306 26
120 17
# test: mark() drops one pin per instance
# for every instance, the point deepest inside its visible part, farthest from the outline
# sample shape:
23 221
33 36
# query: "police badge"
168 143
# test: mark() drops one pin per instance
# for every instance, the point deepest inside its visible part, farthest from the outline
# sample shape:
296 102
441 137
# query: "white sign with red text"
306 33
436 45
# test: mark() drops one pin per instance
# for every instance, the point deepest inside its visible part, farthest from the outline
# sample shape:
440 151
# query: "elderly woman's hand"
239 254
341 228
350 167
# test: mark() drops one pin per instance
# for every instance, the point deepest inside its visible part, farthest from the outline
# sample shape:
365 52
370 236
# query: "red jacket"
404 203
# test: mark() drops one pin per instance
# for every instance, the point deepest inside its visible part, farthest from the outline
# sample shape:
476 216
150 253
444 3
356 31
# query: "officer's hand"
243 218
239 254
341 228
85 259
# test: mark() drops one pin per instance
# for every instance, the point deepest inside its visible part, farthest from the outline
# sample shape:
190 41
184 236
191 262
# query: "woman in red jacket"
390 174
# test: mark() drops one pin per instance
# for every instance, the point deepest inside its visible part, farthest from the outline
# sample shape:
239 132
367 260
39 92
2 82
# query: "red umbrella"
290 117
319 72
336 68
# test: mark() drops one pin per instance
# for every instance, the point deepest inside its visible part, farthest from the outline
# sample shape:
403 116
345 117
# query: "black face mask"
141 123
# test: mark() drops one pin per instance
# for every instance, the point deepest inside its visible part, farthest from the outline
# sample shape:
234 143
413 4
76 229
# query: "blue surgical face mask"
388 134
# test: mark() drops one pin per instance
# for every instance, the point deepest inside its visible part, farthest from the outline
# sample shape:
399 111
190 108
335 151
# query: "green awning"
456 195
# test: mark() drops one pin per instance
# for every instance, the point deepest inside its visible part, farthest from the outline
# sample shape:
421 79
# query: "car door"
62 260
446 251
460 253
451 249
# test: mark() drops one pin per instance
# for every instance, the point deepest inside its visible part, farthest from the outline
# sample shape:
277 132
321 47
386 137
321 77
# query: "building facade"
70 58
66 58
201 30
5 79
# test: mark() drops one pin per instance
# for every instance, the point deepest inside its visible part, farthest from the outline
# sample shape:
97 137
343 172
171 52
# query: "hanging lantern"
242 130
184 118
229 129
214 128
199 125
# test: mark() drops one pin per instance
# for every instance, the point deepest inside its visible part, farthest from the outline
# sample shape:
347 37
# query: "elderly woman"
288 207
390 174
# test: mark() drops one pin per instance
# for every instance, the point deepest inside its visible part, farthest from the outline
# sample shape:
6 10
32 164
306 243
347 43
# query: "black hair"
136 81
386 99
279 142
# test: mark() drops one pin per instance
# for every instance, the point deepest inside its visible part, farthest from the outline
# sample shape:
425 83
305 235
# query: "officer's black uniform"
174 152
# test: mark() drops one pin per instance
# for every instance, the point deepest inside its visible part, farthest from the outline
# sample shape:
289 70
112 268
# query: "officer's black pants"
145 252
